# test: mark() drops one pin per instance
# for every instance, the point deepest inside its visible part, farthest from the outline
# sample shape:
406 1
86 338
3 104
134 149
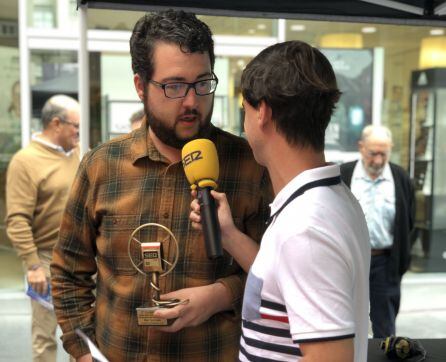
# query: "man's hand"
224 214
203 303
85 358
37 280
236 243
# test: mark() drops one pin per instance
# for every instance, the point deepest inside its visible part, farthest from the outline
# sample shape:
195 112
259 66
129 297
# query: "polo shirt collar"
314 174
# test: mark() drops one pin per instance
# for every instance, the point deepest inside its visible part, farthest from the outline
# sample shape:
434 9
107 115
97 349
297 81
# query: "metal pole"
83 78
25 94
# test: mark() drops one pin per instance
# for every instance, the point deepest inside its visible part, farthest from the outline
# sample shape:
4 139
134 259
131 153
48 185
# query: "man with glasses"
38 179
137 179
386 195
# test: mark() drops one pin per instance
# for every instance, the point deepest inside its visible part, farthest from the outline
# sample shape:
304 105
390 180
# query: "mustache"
191 112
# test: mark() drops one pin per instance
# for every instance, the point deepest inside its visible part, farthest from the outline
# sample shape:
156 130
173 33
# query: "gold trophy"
148 259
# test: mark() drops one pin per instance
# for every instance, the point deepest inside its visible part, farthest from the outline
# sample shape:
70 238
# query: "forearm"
241 247
73 299
222 297
234 285
328 351
20 233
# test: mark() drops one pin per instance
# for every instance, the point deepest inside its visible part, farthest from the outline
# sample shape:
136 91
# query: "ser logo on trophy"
147 257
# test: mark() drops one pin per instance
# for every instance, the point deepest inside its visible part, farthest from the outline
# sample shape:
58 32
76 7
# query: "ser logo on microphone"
191 157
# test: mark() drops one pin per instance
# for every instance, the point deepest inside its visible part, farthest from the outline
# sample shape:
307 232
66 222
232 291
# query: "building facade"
39 42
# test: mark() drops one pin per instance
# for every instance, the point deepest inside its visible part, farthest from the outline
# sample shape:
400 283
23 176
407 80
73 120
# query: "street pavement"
422 315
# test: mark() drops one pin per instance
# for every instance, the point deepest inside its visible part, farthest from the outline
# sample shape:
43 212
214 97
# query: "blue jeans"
384 297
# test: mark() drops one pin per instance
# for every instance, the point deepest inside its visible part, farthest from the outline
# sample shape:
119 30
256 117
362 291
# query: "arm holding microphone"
239 245
201 166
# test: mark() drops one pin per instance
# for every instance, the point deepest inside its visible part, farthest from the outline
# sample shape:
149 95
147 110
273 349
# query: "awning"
415 12
403 12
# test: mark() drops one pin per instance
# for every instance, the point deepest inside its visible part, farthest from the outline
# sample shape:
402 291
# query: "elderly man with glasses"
138 178
38 180
386 195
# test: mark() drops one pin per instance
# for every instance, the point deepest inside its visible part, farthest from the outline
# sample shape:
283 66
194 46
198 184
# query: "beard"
375 170
167 134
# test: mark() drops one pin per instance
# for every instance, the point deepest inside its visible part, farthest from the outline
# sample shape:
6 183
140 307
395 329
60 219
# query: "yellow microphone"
200 163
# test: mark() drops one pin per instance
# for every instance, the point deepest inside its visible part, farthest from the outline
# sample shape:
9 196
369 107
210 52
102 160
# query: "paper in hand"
95 352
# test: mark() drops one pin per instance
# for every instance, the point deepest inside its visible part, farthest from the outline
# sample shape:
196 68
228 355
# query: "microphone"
200 163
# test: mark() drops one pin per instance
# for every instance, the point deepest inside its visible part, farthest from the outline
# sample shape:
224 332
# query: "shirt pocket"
116 231
203 270
388 210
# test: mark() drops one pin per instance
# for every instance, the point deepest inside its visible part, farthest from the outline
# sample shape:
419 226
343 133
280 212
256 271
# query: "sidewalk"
422 315
423 306
15 331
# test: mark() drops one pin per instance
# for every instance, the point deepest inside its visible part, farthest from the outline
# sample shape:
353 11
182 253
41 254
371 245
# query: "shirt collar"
314 174
361 173
37 137
142 145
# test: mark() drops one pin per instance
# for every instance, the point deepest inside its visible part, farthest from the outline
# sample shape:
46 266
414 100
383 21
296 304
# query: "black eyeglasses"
180 89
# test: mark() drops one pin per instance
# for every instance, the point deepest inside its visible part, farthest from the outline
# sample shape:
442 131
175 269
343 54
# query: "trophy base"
146 318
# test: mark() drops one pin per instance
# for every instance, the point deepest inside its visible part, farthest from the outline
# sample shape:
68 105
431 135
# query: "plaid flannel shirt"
120 185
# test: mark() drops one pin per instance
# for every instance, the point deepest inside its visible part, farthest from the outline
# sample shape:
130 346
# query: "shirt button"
115 221
166 215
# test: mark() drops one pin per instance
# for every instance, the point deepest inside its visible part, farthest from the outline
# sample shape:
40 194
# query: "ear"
264 114
55 124
139 86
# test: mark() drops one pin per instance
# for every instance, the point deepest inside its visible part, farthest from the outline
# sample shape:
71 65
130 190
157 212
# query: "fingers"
219 196
195 206
40 287
194 215
37 280
175 313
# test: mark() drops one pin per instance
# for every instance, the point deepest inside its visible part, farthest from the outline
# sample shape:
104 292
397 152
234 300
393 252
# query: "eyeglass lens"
202 87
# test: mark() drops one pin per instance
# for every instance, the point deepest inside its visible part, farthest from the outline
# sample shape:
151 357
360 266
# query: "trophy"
148 259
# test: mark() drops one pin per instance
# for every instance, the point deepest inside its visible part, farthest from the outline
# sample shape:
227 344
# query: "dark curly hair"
171 26
298 83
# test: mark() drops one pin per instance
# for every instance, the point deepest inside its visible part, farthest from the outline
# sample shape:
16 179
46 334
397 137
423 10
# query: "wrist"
34 267
229 237
222 297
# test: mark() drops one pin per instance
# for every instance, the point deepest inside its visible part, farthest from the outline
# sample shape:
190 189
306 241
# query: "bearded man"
137 179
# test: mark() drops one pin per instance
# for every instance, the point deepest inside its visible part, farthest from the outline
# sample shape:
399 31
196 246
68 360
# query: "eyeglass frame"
189 86
75 125
373 154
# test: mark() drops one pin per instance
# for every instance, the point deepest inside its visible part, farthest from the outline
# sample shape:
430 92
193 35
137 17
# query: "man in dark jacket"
386 195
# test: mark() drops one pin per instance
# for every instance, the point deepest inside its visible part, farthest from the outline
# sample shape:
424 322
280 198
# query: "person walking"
387 197
39 177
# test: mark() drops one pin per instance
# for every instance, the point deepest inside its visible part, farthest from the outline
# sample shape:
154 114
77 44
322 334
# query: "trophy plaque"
148 259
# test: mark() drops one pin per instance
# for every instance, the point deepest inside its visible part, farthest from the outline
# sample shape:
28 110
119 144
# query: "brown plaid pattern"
120 185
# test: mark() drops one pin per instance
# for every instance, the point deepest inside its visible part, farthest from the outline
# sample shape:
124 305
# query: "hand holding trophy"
148 259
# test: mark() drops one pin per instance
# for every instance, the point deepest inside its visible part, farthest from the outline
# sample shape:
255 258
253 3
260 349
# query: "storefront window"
11 276
401 52
42 14
52 72
49 14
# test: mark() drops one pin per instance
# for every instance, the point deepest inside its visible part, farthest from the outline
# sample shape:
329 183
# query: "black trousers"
384 297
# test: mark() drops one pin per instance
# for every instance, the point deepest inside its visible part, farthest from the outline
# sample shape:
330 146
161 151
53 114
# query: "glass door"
422 136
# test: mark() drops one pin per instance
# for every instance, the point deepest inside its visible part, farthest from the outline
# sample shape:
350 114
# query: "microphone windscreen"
200 163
